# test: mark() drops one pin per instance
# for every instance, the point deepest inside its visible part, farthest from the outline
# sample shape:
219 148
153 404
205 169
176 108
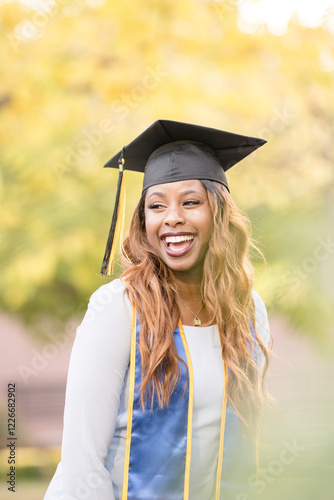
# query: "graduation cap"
170 151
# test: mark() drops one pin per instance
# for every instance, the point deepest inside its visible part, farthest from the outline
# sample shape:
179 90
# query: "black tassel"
116 223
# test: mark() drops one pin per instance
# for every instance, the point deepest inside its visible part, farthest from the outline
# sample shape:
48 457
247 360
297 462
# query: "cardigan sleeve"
262 326
98 364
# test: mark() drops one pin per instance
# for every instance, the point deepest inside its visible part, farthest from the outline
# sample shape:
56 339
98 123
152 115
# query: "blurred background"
80 79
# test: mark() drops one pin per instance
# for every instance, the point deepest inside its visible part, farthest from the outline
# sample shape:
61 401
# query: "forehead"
176 188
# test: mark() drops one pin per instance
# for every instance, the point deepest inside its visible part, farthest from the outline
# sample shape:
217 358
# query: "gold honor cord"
130 406
190 413
222 432
119 228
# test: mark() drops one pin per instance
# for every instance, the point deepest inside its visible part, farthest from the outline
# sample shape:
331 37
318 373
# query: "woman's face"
178 223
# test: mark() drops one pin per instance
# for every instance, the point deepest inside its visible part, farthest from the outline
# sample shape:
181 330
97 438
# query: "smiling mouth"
177 241
178 245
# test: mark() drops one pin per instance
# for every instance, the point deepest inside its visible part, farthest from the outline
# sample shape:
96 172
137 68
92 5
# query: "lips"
177 245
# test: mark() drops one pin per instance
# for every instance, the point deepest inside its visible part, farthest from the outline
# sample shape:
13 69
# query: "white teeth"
178 239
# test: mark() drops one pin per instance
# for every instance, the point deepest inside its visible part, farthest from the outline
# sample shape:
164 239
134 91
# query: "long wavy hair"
227 290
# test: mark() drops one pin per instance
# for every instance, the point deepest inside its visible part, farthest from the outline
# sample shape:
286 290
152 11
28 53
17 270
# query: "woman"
165 382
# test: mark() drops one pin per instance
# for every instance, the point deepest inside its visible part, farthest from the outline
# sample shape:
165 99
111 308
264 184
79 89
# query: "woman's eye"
187 203
191 202
155 205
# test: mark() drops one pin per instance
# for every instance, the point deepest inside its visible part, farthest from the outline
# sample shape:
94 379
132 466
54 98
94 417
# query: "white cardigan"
95 416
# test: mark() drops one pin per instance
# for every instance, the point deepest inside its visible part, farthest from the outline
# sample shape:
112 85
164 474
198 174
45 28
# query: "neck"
189 285
190 303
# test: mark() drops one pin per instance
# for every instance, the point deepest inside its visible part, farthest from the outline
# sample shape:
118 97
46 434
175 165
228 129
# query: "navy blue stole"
158 442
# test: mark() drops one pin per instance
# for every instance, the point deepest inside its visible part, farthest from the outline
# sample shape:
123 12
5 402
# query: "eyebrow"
163 195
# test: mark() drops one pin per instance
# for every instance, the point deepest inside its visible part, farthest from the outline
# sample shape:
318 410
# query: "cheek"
206 225
151 226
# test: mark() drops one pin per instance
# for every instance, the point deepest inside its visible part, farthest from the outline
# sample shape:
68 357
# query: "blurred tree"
79 80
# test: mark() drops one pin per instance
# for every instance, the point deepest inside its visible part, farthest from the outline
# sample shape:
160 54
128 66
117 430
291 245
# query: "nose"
174 216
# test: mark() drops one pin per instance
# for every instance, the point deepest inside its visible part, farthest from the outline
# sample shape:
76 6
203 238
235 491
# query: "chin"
185 267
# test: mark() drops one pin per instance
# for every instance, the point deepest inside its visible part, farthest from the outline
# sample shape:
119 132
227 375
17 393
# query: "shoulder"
109 294
261 317
108 306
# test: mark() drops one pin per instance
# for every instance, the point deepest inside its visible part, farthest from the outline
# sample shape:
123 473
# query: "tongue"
179 246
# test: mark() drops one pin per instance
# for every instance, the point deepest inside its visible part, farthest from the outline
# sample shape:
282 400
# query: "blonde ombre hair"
227 291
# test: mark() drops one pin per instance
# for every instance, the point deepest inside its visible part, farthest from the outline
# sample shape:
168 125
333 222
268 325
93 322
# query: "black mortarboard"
170 151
